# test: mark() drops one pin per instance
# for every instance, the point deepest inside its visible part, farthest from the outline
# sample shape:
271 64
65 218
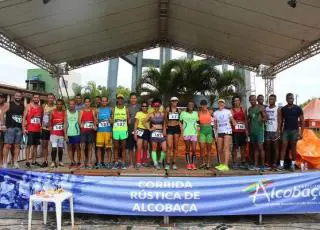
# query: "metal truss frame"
27 54
268 87
294 59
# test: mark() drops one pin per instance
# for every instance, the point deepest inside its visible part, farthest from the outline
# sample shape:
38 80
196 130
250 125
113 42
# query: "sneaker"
120 165
16 165
36 164
243 166
218 166
202 166
44 164
157 166
194 166
262 168
28 165
208 166
82 166
167 167
103 165
98 166
138 165
251 168
124 166
235 166
189 167
4 166
266 167
109 165
293 168
61 164
115 165
280 168
224 168
131 166
53 165
174 166
256 168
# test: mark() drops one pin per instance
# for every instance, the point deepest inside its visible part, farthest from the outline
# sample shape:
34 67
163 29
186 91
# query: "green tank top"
256 123
73 125
120 119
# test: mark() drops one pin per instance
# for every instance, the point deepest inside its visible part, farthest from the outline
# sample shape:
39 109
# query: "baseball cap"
221 100
174 99
120 96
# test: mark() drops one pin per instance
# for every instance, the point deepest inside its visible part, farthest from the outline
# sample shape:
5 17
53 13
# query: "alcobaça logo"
266 191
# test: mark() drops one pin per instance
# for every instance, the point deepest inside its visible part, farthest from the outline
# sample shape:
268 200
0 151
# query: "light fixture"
292 3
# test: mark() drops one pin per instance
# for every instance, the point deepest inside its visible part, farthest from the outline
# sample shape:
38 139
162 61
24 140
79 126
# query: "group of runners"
149 131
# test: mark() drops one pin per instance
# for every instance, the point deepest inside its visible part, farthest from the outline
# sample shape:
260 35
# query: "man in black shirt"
13 134
291 118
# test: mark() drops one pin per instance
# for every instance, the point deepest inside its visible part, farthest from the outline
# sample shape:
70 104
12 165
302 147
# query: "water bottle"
306 166
302 167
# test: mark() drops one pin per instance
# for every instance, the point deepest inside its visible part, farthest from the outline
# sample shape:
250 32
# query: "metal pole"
166 220
260 219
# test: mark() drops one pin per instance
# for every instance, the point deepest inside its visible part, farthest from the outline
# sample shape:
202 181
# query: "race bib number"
120 123
88 125
17 118
58 127
223 125
240 126
173 116
35 120
140 132
45 119
157 134
104 124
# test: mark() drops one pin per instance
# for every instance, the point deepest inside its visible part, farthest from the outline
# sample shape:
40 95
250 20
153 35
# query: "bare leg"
169 149
70 153
116 151
256 154
16 153
83 152
34 152
78 152
209 154
261 152
276 152
123 150
176 138
220 148
28 153
90 154
98 151
202 152
226 148
138 151
6 148
45 150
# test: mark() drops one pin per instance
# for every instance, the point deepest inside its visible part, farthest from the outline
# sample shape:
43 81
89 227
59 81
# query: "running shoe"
174 166
71 165
124 166
218 166
224 168
262 168
251 168
280 168
61 164
115 165
267 167
44 164
202 166
36 164
194 166
103 165
4 166
82 166
293 168
243 165
189 167
131 166
235 166
98 166
28 165
53 165
16 165
167 167
208 166
138 165
158 167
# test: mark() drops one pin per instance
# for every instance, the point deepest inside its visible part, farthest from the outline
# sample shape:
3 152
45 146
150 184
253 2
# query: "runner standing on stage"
172 116
87 121
189 119
56 127
72 134
206 134
292 126
133 108
223 119
13 134
120 119
272 132
3 109
79 102
104 133
141 135
45 133
239 132
158 133
32 127
256 120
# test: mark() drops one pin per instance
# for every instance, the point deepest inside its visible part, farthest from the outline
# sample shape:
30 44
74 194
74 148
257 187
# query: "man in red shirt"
32 127
56 127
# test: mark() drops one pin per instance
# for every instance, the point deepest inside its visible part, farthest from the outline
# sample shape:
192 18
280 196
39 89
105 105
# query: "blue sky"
302 79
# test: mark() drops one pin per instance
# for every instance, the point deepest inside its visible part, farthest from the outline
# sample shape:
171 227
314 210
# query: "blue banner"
175 196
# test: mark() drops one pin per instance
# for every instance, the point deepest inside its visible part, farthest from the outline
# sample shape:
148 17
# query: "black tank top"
14 115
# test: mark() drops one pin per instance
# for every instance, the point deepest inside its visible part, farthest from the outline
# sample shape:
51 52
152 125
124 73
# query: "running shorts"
172 130
120 135
74 140
239 139
157 136
104 139
192 138
57 141
290 135
206 134
257 137
33 138
45 134
13 136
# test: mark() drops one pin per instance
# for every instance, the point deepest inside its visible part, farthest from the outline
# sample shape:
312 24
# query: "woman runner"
189 120
141 135
158 133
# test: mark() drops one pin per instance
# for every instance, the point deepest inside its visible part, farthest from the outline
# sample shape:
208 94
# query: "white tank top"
223 121
272 122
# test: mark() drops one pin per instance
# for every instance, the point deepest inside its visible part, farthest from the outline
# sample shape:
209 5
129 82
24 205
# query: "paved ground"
17 220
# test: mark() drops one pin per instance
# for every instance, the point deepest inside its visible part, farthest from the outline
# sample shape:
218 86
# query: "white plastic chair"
57 199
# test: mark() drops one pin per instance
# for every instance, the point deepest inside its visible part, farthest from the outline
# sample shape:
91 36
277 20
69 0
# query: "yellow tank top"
120 119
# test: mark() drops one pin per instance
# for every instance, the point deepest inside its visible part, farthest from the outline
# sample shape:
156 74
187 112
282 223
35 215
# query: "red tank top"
240 118
34 119
57 122
87 121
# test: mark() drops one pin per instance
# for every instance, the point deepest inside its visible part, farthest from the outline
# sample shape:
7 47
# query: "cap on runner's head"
222 101
203 102
120 96
174 99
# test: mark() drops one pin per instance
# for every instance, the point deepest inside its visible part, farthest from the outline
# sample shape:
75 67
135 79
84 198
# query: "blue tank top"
104 115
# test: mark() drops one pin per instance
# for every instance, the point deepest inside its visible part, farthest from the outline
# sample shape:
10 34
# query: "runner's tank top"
87 120
173 116
272 122
34 119
57 123
73 125
14 115
157 120
46 114
120 119
223 121
104 115
205 118
256 123
240 118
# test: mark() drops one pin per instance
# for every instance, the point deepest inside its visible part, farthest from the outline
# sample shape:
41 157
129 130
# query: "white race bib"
140 132
88 125
58 127
157 134
173 116
120 123
103 124
35 120
240 126
17 118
